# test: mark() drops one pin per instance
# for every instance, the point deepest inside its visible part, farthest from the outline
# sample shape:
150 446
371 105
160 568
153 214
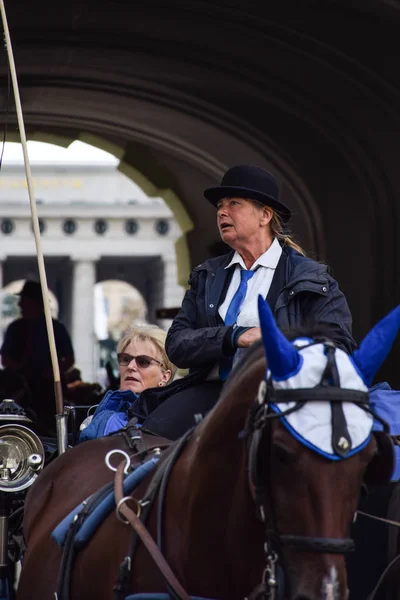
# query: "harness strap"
381 519
392 568
394 565
260 592
160 477
70 550
142 532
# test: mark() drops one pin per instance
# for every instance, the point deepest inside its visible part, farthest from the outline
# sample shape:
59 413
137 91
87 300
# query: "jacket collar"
269 259
212 264
300 268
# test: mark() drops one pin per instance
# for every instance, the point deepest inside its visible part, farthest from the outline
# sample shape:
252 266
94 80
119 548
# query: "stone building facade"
96 225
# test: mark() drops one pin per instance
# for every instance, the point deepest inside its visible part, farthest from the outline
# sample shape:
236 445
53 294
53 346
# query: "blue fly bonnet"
312 423
319 391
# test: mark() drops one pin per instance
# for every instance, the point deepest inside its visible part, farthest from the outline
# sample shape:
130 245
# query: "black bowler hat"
255 183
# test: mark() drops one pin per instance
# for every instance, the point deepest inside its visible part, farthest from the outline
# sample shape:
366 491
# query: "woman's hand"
249 337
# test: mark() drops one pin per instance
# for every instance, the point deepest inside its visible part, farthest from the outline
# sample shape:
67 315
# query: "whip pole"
61 417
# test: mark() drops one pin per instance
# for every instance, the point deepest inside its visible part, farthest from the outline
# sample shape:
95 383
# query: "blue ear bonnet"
283 358
312 423
302 364
376 345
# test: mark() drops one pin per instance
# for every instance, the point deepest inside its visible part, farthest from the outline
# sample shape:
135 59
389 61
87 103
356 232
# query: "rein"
393 567
127 515
137 518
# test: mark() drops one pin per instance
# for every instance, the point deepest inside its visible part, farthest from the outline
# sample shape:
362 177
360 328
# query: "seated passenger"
143 364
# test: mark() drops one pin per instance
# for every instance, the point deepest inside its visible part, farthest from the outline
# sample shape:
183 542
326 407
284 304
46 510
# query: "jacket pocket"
314 287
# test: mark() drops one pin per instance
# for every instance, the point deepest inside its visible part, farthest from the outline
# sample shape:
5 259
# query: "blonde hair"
148 333
280 231
282 234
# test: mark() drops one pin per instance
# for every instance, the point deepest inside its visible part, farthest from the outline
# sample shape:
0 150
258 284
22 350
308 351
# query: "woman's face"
138 379
240 220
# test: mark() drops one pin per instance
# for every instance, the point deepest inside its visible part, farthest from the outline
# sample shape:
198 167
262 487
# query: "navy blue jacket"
197 338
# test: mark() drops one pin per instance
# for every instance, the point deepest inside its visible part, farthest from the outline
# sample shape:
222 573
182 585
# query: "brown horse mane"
228 417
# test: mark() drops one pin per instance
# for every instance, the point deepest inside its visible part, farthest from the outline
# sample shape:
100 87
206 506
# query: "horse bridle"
258 434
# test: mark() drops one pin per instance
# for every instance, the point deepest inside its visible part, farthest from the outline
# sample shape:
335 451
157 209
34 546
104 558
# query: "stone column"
83 336
1 298
172 292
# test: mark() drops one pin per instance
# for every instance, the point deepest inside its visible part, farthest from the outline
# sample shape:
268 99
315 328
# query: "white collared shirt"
258 284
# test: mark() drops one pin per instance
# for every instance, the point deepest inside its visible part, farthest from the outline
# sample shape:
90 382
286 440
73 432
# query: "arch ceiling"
182 90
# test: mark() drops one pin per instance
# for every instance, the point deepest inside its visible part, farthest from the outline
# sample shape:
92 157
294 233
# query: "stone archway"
308 90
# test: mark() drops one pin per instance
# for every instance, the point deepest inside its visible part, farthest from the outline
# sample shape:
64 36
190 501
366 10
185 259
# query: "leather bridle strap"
325 545
259 427
131 517
317 394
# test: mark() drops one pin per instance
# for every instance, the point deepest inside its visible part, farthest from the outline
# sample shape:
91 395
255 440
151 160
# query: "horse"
255 502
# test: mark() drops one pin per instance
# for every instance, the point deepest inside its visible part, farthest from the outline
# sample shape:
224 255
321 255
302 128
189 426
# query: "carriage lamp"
21 457
21 451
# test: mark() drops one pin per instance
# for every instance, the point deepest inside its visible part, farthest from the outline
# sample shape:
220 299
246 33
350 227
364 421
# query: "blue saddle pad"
101 511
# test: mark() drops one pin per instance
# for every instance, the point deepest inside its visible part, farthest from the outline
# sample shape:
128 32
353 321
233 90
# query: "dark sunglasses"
142 361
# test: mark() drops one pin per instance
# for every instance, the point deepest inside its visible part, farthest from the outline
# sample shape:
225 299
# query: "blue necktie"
232 315
236 303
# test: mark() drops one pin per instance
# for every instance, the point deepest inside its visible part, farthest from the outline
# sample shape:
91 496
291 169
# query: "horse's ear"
376 345
282 357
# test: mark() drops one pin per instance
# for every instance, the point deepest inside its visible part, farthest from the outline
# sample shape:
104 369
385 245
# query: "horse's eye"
282 454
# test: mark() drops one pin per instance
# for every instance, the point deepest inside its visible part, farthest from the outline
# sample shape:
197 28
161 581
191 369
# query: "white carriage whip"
61 417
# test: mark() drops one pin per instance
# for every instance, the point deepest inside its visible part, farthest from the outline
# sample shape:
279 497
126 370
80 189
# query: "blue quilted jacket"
110 415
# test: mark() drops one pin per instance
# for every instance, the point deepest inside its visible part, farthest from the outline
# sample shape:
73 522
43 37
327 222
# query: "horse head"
310 446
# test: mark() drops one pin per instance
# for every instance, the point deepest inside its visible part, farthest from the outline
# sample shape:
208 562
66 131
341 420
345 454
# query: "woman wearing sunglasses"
143 365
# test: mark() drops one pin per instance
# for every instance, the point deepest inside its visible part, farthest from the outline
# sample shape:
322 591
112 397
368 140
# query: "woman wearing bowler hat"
219 313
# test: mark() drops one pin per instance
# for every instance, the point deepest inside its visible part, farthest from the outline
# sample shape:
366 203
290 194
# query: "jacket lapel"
217 285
